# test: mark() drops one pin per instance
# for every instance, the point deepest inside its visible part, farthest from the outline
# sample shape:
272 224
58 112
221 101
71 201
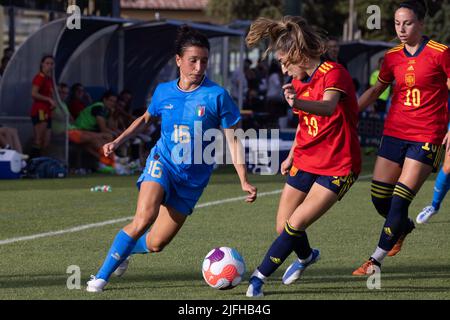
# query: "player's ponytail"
189 37
291 35
419 8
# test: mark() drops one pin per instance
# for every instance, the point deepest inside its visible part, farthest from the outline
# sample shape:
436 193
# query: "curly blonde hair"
291 35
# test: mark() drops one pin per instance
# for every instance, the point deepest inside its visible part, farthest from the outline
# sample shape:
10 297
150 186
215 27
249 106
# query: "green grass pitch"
347 235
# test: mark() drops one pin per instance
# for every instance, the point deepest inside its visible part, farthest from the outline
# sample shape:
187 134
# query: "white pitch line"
109 222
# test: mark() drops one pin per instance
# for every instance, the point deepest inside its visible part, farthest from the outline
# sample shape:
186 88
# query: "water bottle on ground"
104 188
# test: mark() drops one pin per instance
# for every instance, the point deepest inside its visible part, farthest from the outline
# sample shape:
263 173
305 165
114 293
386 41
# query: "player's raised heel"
95 285
122 268
426 214
296 269
255 288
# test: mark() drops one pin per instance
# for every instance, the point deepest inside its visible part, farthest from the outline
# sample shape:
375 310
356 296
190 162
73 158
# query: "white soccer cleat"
426 214
95 285
255 288
122 268
296 269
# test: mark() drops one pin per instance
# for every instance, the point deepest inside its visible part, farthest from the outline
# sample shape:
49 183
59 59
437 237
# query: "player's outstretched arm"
371 95
238 157
137 124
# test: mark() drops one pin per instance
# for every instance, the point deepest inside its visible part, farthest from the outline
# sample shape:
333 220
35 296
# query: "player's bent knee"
156 247
446 167
280 228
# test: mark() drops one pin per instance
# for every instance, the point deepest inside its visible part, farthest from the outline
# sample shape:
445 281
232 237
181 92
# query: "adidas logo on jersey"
411 68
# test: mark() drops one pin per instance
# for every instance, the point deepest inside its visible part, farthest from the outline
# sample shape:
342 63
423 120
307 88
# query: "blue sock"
281 248
441 187
397 221
141 245
120 250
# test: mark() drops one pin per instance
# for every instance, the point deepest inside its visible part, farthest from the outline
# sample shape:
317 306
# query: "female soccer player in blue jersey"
173 181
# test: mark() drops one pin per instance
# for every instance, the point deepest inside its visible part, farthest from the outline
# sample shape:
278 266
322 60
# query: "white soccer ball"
223 268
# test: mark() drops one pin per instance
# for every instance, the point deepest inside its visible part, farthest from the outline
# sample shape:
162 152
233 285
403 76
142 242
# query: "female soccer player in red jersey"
415 127
43 104
325 158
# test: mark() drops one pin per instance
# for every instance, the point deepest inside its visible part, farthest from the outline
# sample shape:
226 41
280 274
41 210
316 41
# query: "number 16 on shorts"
155 169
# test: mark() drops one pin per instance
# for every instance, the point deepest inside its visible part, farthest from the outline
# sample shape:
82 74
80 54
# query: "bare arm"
129 132
287 163
371 95
238 157
325 107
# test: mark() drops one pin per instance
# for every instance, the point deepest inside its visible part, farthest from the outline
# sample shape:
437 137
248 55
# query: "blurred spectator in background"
274 97
59 125
78 100
9 139
381 103
262 74
333 49
237 78
252 100
123 111
43 105
91 128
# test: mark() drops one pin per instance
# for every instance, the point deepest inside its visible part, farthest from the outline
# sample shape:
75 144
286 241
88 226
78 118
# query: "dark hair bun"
189 37
419 7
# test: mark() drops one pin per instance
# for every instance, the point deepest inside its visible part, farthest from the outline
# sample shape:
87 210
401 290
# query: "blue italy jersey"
185 116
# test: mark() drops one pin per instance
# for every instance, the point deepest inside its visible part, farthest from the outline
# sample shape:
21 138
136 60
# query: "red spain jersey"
419 103
328 145
45 85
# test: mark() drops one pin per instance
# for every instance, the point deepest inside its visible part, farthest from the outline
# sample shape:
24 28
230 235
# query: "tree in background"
331 15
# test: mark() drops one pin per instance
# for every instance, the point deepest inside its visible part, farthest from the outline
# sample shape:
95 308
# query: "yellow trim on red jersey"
334 89
328 65
325 67
395 49
383 81
437 44
435 47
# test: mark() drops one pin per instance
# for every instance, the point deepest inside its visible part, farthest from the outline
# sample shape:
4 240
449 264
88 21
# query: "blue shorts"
181 197
397 150
303 181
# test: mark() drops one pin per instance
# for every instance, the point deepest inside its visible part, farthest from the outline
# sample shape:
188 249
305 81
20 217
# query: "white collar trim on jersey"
188 91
